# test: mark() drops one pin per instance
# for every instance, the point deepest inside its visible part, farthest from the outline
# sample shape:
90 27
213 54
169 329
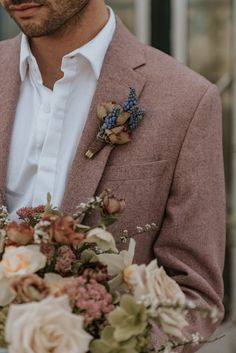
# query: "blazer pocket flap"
135 171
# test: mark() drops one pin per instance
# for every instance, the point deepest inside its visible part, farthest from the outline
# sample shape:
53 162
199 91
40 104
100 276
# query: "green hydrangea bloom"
108 344
129 319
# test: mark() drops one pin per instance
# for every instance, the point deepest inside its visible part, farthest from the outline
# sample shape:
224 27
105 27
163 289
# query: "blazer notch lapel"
119 73
10 85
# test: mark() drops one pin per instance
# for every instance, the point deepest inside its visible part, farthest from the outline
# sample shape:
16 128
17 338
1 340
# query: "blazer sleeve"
191 243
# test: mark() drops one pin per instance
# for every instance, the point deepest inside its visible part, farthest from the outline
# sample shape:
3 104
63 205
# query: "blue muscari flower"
110 120
136 114
130 106
131 101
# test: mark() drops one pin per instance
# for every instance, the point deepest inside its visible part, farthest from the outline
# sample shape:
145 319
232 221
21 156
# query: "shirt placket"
50 133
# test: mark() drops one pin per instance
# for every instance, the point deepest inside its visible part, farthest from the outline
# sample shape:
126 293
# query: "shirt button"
46 108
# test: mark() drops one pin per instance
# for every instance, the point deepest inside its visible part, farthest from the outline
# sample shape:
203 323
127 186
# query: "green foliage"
107 220
88 256
49 209
108 344
128 320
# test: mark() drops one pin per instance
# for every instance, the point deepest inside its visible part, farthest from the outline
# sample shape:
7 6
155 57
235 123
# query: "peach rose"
19 234
62 231
18 261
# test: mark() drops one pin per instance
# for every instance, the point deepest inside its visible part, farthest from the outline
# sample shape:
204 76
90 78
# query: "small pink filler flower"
90 297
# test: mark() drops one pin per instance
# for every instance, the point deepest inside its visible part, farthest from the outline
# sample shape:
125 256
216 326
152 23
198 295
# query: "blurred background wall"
202 35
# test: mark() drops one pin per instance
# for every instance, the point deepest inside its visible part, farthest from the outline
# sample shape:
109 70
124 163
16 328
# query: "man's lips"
23 7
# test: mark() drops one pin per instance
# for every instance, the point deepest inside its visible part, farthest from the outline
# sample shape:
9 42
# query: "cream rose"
117 263
47 326
21 260
102 238
18 261
154 288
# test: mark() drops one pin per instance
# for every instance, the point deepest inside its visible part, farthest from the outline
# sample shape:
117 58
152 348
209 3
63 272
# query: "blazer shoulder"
179 89
175 77
9 49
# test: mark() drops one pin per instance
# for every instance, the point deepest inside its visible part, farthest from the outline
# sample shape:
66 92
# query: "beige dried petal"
111 105
101 111
105 108
120 139
117 130
122 118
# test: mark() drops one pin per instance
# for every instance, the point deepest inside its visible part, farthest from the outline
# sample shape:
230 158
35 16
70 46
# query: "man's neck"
49 50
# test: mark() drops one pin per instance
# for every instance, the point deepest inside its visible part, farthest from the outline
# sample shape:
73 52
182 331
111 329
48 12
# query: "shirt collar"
25 54
94 51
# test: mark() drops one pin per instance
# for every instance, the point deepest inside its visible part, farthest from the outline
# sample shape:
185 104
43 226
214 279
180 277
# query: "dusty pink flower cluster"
90 297
65 259
30 212
49 251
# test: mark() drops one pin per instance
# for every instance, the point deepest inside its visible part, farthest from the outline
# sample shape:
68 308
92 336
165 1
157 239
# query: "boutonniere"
116 123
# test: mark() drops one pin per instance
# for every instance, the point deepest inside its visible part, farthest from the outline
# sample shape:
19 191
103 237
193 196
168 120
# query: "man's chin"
32 27
33 30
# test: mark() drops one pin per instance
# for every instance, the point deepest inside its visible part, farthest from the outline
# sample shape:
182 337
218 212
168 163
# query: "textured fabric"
42 154
171 173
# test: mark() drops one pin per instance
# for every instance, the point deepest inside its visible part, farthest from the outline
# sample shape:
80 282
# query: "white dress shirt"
48 124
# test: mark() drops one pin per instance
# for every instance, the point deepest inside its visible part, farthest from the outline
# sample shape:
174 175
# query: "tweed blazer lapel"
10 85
119 73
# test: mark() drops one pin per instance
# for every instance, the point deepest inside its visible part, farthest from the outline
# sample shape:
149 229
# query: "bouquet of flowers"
65 287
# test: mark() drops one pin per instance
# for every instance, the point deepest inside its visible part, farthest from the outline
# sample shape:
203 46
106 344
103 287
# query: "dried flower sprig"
125 236
86 207
117 123
211 313
4 217
3 319
108 205
4 220
195 339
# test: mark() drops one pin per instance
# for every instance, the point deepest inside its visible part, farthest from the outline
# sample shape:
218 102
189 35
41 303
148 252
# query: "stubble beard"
60 19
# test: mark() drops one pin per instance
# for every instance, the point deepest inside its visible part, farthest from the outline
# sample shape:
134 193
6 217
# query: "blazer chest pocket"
144 187
137 182
142 171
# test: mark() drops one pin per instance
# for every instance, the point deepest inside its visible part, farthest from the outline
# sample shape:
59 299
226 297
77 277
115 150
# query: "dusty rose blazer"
171 173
